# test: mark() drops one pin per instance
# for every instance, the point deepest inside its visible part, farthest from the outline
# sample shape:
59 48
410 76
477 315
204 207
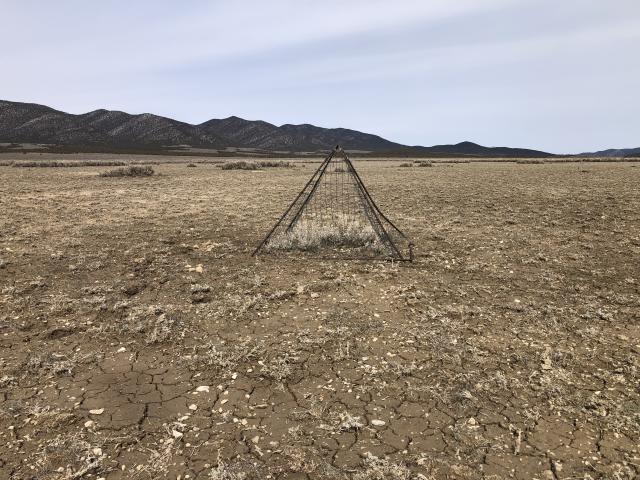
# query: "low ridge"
33 123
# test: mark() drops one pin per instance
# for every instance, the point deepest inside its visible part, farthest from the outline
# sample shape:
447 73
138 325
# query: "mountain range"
33 123
614 152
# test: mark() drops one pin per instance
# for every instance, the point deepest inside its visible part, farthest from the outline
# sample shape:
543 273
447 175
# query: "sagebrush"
130 171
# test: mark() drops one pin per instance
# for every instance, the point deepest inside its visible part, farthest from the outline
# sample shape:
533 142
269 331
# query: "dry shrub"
130 171
527 161
240 165
73 163
344 231
192 165
424 163
276 164
455 160
406 164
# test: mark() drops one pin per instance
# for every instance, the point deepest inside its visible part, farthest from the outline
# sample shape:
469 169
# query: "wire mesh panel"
335 213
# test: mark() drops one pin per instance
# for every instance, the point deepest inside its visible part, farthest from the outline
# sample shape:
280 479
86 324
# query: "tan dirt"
140 340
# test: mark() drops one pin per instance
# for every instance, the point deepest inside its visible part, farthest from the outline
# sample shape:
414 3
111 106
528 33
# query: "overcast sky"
562 76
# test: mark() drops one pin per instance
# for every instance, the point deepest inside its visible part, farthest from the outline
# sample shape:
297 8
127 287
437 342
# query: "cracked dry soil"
139 339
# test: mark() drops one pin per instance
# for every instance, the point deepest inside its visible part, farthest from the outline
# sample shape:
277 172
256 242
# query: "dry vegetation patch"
343 231
130 171
67 164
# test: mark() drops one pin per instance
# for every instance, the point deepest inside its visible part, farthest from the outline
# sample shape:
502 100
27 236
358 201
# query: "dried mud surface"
139 339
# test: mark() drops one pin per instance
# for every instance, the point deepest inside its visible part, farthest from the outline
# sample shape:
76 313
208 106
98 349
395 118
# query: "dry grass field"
140 340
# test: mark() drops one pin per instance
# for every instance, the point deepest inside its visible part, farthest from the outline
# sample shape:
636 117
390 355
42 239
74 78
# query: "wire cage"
334 212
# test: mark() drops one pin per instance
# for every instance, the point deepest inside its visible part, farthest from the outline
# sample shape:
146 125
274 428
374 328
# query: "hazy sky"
563 76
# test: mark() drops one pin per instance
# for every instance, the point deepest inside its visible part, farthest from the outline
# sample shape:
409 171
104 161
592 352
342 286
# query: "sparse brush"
192 165
240 165
275 164
529 161
130 171
344 231
406 164
73 163
424 163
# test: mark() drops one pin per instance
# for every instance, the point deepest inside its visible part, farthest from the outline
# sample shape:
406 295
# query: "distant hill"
473 149
32 123
614 152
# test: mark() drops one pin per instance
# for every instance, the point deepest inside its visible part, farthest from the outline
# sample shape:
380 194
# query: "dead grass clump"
406 164
56 364
73 453
5 163
154 323
224 356
130 171
279 368
192 165
7 380
240 165
162 329
309 235
349 423
381 469
224 471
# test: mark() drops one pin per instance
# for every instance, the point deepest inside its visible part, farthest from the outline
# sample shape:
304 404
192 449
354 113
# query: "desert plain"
139 339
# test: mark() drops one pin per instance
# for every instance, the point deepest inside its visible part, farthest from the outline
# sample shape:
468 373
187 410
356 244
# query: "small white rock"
97 411
193 406
203 388
378 423
122 350
88 424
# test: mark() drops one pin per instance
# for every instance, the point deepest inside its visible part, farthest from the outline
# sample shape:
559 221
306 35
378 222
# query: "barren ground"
139 339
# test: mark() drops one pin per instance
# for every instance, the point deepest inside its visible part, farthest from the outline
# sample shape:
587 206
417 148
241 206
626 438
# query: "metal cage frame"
386 232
